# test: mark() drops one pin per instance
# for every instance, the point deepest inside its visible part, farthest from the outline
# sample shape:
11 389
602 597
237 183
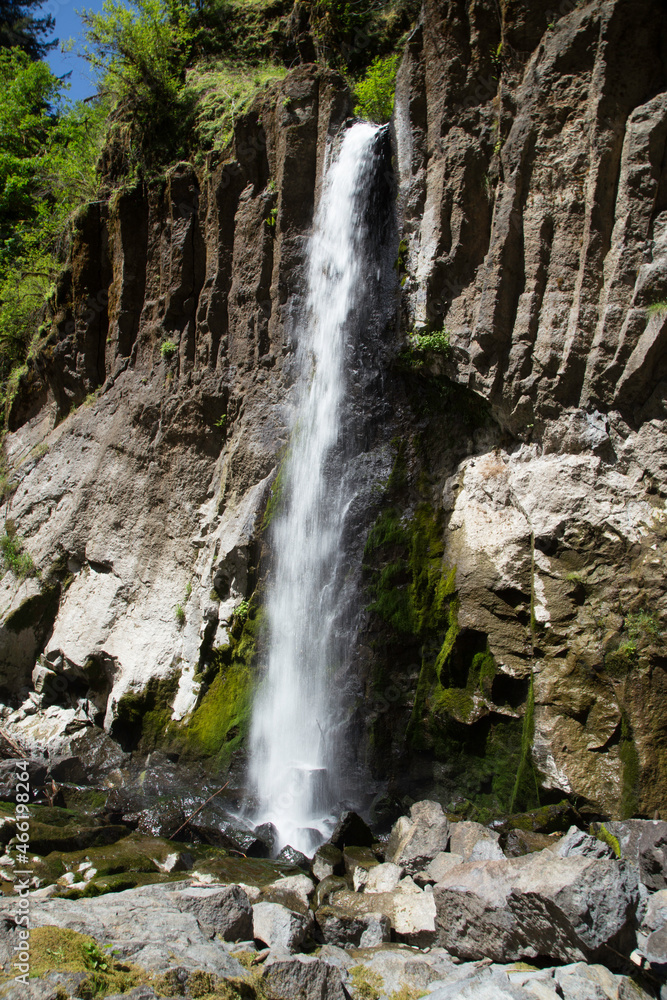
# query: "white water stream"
297 711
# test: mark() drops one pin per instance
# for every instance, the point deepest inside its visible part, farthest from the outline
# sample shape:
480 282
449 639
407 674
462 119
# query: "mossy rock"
55 949
134 853
44 838
118 883
557 818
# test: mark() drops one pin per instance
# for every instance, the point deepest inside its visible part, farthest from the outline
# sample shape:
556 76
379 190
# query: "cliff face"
515 569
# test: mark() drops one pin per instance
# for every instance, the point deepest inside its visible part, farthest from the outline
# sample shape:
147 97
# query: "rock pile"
438 910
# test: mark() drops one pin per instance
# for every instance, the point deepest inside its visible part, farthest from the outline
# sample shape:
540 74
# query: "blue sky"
68 25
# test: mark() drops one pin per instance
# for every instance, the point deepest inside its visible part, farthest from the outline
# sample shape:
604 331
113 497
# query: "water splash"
297 720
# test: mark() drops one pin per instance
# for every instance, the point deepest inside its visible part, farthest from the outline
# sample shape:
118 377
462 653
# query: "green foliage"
272 218
167 349
188 590
221 423
642 625
14 557
241 612
420 345
179 612
48 151
94 958
375 92
657 308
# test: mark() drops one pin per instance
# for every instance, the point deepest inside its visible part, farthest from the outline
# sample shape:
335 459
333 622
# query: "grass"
13 555
222 91
179 612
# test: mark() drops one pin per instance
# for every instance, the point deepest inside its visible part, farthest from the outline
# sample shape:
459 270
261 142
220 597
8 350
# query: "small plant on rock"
167 349
180 615
14 558
366 984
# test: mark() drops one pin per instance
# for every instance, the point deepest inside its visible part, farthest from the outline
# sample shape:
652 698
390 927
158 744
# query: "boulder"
576 842
382 878
442 864
328 860
415 840
294 892
359 860
653 856
351 831
520 842
290 856
538 906
474 842
225 911
411 915
652 934
279 927
341 926
328 885
152 926
304 976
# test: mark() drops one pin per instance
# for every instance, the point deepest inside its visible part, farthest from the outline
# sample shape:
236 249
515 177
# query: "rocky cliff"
512 650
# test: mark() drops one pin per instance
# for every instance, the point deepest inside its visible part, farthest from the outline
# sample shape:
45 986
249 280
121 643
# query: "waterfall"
298 715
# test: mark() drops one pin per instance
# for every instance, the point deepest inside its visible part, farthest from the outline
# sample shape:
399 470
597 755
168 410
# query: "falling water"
296 727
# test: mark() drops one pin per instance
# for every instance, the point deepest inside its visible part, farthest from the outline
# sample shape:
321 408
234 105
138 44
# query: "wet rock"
278 927
179 861
415 840
576 841
161 821
328 885
538 906
359 859
226 912
36 774
290 856
351 831
304 976
474 842
328 860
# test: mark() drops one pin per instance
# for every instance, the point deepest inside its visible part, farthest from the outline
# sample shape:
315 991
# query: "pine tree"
20 27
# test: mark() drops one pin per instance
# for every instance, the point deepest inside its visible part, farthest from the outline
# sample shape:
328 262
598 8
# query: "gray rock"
415 840
474 842
328 860
576 841
484 984
44 988
339 925
151 926
304 977
351 831
580 981
563 909
401 967
227 911
653 856
442 864
294 892
383 878
279 927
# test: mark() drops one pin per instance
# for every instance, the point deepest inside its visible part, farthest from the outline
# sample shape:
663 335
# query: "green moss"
629 804
55 949
609 839
220 723
526 787
456 702
34 610
366 984
143 719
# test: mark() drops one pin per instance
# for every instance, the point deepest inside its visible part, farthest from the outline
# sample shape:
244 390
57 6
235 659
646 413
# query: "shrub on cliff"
48 150
375 92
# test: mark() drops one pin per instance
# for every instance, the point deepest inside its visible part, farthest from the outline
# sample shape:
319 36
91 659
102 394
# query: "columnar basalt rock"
517 656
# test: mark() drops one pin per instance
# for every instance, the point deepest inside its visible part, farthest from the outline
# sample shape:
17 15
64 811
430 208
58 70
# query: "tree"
19 28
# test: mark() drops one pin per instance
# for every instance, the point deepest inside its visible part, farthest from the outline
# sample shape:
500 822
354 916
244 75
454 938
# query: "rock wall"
513 648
